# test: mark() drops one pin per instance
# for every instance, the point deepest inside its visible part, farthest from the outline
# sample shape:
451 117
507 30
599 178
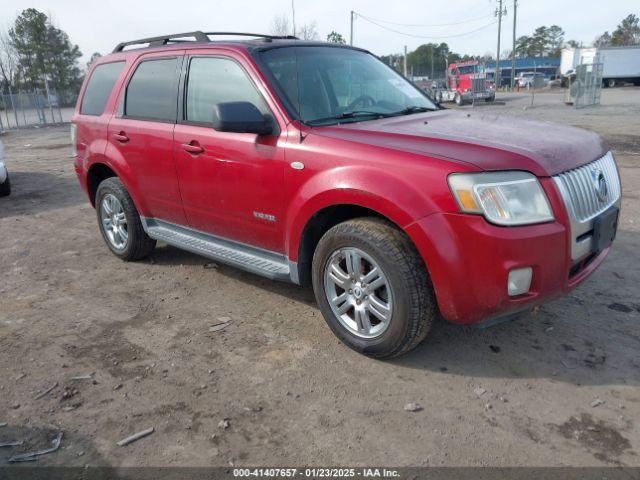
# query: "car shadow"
169 255
587 337
37 192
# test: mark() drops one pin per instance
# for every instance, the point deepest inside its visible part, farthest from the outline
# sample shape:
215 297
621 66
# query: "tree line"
430 59
627 33
34 51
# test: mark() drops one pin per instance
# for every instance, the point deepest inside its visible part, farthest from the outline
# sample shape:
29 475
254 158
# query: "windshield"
340 85
468 69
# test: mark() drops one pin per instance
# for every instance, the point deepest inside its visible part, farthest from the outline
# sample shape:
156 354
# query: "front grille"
478 84
580 188
583 195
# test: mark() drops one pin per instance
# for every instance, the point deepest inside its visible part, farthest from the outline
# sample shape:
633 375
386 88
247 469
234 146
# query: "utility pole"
513 50
405 60
431 62
499 13
351 36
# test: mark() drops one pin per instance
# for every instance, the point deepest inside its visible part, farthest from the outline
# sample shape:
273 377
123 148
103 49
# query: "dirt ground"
559 386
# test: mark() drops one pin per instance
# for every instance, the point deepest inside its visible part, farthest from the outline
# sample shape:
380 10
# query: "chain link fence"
587 85
37 107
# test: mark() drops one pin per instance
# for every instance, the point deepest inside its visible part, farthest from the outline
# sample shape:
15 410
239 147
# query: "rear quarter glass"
99 87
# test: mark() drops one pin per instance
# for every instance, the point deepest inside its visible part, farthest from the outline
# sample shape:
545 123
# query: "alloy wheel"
358 292
114 221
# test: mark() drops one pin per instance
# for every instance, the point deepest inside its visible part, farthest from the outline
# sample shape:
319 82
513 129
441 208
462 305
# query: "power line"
423 25
426 36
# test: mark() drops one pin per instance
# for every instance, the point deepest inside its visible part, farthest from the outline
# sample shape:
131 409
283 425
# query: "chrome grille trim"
578 190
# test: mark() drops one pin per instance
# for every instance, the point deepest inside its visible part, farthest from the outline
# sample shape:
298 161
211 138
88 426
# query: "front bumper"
469 261
469 95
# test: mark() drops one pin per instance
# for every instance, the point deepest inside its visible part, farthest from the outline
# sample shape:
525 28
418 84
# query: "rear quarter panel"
91 130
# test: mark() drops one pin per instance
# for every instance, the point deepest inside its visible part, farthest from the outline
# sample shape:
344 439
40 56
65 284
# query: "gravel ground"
559 386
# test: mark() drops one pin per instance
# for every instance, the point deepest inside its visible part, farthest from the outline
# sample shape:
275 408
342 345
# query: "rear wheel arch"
98 172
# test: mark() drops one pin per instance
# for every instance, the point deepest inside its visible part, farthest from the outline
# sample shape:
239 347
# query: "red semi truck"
466 82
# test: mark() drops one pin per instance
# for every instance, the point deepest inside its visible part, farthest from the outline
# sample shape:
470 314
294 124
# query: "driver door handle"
121 137
193 147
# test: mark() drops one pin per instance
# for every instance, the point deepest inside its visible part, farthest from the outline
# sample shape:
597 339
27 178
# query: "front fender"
373 188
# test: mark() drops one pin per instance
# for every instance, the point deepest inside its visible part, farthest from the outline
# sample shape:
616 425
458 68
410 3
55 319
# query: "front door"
231 183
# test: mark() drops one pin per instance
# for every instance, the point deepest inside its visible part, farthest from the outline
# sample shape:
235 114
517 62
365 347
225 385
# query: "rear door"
232 186
142 133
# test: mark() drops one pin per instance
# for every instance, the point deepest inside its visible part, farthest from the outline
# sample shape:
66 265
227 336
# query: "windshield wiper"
350 114
413 109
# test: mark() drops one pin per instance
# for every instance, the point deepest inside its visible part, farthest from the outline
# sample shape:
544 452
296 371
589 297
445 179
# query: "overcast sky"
98 25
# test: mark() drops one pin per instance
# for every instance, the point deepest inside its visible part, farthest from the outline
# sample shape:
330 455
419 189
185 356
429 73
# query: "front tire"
373 288
120 223
458 99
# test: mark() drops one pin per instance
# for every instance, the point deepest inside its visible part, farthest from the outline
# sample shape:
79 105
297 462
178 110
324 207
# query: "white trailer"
619 64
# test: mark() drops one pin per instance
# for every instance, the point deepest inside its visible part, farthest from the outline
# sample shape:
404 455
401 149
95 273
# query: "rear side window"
152 92
100 84
215 80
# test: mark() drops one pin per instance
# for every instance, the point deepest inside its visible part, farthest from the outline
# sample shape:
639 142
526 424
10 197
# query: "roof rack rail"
197 36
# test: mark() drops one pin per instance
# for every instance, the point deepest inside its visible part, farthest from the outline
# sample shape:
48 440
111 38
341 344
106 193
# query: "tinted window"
216 80
152 91
99 87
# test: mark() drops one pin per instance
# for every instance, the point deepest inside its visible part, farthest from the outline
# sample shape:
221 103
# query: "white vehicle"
619 64
532 79
5 186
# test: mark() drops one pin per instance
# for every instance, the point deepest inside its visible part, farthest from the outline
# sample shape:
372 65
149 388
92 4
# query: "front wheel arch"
322 221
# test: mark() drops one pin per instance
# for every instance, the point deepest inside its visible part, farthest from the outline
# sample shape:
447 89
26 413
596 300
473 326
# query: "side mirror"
240 117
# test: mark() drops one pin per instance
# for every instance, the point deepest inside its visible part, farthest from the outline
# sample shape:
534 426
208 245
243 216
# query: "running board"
255 260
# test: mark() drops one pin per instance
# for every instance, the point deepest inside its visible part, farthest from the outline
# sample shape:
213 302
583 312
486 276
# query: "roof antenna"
295 53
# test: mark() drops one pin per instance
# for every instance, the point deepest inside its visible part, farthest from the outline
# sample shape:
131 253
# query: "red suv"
316 163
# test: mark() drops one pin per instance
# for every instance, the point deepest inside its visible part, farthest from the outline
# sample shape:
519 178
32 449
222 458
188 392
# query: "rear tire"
403 293
5 188
611 83
120 223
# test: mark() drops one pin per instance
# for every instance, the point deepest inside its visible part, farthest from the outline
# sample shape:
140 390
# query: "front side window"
325 85
215 80
152 92
99 88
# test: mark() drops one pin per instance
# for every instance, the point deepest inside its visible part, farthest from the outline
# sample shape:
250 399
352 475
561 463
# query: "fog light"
519 281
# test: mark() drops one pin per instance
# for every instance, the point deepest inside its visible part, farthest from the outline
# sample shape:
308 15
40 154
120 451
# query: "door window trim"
184 83
122 107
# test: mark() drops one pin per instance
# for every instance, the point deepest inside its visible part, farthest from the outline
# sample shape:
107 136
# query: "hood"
488 141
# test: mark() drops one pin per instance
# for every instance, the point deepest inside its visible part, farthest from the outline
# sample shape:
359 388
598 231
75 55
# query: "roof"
199 39
529 62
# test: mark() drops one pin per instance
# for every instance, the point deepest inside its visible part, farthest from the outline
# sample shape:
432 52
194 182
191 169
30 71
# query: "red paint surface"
397 167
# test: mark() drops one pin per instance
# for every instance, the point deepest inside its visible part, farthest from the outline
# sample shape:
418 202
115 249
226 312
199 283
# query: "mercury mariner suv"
316 163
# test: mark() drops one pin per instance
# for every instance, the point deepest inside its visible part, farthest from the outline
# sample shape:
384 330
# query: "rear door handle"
121 137
192 147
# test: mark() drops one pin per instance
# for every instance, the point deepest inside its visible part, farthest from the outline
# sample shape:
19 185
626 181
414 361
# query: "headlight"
504 198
